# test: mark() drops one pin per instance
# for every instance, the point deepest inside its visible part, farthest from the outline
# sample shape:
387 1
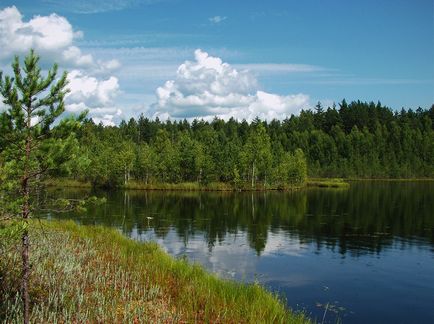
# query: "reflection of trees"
370 216
364 219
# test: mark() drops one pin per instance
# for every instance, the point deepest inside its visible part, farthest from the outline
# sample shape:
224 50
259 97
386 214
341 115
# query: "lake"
362 255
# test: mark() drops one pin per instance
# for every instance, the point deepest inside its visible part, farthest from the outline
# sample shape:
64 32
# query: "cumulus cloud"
51 36
217 19
208 87
95 92
97 96
50 32
92 87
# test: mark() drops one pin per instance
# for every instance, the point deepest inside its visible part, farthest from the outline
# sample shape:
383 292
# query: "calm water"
365 254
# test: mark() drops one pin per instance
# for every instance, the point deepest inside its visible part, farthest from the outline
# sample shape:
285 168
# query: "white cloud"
106 120
91 90
92 87
97 96
73 54
50 36
217 19
207 87
49 33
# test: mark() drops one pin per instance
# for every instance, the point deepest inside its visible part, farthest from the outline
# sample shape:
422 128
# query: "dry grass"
94 274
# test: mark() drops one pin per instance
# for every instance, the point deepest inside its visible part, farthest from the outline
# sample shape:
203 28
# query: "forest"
355 140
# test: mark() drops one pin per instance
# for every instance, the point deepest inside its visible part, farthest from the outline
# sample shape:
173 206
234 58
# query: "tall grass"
94 274
212 186
327 183
184 186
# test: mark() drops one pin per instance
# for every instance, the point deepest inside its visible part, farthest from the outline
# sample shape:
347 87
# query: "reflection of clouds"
280 243
233 257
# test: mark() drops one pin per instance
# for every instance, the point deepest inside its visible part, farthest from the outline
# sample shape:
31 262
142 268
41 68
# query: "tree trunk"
25 254
25 236
253 174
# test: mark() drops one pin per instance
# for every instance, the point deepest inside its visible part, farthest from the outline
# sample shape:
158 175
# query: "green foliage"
291 171
256 157
10 231
145 162
31 144
357 140
167 161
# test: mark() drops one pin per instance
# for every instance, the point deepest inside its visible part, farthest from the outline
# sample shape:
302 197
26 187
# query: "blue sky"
294 52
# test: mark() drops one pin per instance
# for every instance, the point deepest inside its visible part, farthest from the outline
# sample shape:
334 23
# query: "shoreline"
311 183
213 186
96 274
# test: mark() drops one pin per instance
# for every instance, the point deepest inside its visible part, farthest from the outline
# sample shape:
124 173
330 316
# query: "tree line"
356 139
151 151
359 139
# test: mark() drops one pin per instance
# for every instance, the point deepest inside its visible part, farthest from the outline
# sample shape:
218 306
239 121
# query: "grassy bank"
185 186
188 186
327 183
94 274
213 186
222 186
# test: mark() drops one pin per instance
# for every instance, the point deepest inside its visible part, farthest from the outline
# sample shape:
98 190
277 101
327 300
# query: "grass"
327 183
186 186
94 274
182 186
212 186
222 186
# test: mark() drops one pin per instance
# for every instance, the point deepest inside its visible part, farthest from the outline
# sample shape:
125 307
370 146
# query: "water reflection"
364 219
365 253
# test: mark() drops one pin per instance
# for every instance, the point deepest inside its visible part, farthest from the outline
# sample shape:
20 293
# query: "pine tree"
32 144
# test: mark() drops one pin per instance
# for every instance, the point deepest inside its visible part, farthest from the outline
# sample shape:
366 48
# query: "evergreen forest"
355 140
